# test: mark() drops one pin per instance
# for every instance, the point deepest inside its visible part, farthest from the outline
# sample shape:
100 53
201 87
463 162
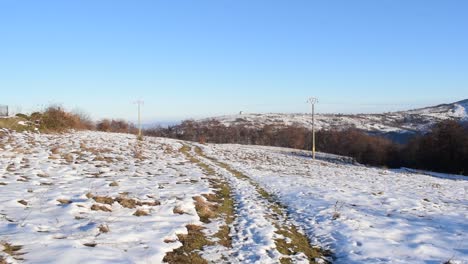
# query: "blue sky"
203 58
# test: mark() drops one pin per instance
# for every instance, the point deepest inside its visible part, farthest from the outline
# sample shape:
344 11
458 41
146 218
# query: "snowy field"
90 197
365 215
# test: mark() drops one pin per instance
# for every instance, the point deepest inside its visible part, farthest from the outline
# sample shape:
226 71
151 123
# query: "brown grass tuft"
96 207
126 202
12 250
64 201
103 199
178 210
104 228
140 212
205 209
114 184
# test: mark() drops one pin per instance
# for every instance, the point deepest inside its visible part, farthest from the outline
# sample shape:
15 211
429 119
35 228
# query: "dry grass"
12 250
68 158
133 203
64 201
218 204
205 209
103 199
104 228
97 207
114 184
192 243
169 240
295 243
126 202
12 123
138 151
141 212
55 150
178 210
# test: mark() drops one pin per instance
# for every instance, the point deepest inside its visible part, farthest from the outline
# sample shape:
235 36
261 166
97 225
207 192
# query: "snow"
54 233
461 111
381 216
403 121
255 241
362 214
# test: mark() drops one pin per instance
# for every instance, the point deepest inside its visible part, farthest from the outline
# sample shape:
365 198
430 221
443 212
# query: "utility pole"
139 103
313 101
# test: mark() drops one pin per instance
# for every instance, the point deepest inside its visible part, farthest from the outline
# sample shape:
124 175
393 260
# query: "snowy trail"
264 233
365 215
253 236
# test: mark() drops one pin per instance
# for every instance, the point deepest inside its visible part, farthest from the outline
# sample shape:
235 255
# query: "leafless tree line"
444 148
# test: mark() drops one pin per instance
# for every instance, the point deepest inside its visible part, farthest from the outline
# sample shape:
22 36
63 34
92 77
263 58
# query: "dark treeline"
443 149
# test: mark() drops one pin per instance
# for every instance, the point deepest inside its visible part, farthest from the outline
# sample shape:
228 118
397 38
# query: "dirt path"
261 229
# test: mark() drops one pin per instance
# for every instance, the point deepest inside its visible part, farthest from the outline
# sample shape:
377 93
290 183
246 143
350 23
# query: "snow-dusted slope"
93 197
403 121
365 215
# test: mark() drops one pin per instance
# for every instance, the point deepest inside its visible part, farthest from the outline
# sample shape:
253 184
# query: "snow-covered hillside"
365 215
90 197
403 121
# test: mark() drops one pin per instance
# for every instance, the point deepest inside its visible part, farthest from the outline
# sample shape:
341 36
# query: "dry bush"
104 125
56 119
113 125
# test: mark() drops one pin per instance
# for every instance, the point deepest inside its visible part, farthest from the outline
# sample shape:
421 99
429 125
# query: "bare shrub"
56 119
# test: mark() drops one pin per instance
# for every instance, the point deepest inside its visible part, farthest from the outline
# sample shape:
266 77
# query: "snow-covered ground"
90 197
365 215
47 185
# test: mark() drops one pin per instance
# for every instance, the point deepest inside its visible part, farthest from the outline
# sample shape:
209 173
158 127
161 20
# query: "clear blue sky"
203 58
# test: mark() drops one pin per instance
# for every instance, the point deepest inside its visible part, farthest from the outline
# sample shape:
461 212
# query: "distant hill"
396 125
